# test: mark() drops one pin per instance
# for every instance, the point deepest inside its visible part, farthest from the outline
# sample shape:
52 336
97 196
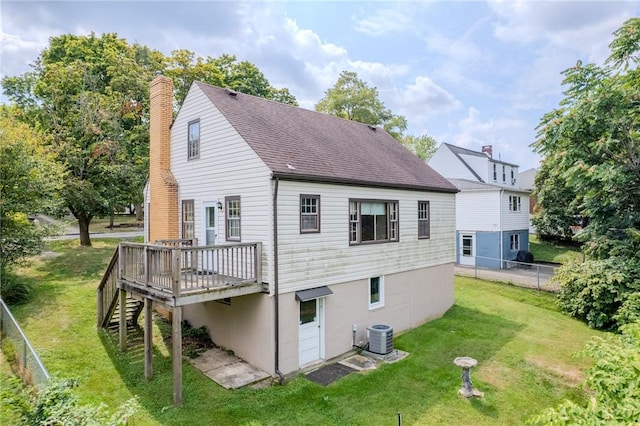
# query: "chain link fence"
522 274
18 351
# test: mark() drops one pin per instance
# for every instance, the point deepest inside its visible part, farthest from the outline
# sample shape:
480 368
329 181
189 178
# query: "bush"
601 292
56 404
14 289
614 380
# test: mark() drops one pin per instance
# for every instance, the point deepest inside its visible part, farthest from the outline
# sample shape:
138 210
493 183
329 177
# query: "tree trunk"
139 212
111 218
83 224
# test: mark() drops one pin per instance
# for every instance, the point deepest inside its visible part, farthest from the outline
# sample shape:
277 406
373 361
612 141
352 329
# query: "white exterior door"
467 249
210 235
310 332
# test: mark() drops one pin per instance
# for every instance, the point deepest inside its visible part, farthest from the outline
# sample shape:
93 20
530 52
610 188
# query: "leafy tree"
592 142
352 99
90 94
30 181
423 146
225 71
56 404
613 380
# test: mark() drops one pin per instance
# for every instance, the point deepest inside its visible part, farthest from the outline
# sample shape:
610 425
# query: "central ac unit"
380 339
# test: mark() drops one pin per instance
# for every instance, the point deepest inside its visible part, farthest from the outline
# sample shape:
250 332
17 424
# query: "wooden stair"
109 309
133 308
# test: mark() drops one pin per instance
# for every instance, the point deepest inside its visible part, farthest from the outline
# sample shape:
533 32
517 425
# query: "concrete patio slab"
227 370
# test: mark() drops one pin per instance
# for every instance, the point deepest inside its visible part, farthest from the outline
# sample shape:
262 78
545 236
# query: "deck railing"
107 291
178 270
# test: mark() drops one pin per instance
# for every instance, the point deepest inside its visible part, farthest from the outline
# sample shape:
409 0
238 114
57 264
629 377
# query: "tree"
30 181
592 142
352 99
423 146
225 71
90 94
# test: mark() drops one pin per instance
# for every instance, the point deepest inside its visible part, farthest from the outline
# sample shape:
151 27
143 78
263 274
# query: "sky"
468 73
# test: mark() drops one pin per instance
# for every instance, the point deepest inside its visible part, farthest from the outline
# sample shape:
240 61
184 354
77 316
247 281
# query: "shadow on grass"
413 386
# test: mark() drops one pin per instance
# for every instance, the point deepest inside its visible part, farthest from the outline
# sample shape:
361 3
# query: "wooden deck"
180 276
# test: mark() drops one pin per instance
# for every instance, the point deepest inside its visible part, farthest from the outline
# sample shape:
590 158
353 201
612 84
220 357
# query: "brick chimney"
163 187
488 149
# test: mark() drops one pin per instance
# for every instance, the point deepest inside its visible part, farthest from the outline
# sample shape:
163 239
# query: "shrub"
56 404
14 289
614 381
600 292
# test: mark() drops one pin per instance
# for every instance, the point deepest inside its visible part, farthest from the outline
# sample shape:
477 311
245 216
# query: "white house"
492 211
351 229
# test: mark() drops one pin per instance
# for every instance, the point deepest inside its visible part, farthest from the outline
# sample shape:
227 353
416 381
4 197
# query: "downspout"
275 285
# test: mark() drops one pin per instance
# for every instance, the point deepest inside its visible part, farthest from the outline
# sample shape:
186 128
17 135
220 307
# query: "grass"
523 344
553 252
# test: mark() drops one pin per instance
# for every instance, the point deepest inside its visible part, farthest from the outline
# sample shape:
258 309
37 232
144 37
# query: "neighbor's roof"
458 150
300 144
473 185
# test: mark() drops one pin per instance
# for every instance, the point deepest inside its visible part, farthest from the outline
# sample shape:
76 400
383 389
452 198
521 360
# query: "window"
424 226
504 174
187 219
372 220
232 216
309 213
467 245
308 311
376 292
514 203
513 177
193 147
514 242
495 172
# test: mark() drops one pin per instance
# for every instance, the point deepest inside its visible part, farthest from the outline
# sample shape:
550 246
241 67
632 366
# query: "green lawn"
553 252
523 345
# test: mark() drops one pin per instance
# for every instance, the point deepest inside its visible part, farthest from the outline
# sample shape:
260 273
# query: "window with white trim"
309 213
514 203
193 145
188 232
495 172
514 242
232 218
504 173
376 292
373 221
424 224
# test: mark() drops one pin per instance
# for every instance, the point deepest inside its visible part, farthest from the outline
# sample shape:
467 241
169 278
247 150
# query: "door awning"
313 293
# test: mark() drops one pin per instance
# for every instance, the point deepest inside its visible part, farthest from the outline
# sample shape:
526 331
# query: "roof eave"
352 182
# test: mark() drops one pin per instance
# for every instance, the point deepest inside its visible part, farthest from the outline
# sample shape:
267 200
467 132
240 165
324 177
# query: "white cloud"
384 21
424 98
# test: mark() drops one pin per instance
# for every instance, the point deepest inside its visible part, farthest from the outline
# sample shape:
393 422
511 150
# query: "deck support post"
148 338
122 323
176 343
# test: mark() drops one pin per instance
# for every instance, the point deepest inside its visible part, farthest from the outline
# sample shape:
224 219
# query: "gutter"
276 286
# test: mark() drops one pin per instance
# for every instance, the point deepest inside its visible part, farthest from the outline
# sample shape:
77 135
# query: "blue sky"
467 73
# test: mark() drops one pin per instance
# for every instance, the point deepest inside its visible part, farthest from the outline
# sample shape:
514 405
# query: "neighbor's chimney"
163 187
488 149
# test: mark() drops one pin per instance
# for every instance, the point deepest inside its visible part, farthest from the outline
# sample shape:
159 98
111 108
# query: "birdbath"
466 363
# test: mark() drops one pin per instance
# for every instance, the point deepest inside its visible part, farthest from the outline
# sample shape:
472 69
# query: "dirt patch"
570 375
494 374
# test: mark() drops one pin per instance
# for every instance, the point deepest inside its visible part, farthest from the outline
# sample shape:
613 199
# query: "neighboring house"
351 229
492 215
526 180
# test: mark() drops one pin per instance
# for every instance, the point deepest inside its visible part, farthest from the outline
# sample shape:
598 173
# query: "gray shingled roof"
472 185
300 144
458 150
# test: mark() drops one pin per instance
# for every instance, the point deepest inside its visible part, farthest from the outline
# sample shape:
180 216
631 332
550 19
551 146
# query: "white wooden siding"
227 166
325 258
515 220
480 165
478 210
448 165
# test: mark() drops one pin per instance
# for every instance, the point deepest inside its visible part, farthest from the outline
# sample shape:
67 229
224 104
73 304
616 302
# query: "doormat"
329 374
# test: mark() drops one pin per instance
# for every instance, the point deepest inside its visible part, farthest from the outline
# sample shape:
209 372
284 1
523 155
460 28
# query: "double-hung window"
232 218
514 242
187 220
514 203
373 221
424 225
193 145
376 292
495 172
309 213
504 173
